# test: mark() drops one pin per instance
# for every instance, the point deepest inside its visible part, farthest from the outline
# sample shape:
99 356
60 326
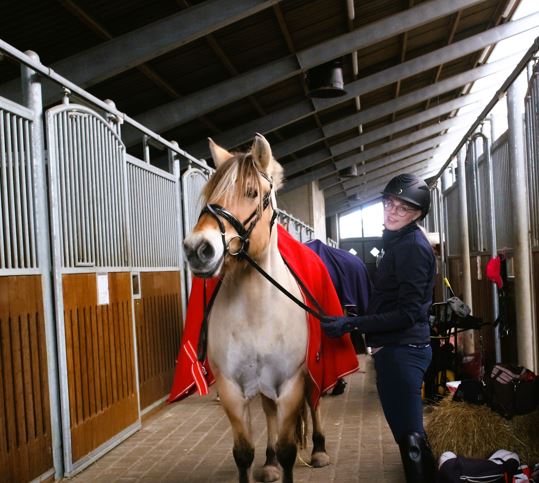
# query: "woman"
396 324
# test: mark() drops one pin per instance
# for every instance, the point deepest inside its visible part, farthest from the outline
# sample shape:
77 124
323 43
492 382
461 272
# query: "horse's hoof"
319 459
267 473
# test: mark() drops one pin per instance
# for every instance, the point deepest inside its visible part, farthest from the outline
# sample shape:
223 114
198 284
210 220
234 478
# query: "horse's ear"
219 154
261 151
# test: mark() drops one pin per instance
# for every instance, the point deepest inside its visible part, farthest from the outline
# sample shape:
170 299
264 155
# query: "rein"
244 232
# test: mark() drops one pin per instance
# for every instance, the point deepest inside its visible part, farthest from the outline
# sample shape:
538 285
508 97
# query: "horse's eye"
251 193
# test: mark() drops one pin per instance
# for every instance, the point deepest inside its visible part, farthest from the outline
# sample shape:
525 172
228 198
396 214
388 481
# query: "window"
365 222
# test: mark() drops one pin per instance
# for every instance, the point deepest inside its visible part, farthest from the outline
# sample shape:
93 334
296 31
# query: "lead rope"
319 315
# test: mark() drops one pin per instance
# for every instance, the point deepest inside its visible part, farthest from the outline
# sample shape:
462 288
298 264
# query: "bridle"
243 229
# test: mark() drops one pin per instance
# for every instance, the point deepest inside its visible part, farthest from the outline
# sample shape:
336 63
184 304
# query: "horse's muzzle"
201 257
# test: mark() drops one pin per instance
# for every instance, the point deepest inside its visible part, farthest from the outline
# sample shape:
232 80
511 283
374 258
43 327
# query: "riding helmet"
411 189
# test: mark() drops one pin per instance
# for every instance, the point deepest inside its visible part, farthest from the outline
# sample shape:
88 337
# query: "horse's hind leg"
289 404
237 410
319 457
270 471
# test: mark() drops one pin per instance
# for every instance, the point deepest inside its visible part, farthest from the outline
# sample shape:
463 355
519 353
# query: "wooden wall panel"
158 315
25 436
100 360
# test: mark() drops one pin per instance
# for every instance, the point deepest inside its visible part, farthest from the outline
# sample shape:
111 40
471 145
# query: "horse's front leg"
319 457
236 407
270 471
289 404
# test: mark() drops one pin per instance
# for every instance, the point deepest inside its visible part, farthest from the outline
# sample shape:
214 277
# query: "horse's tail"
302 426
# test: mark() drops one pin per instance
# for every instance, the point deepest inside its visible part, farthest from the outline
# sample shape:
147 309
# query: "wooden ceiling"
229 68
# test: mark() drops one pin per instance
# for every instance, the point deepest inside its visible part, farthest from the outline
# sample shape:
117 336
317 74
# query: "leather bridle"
244 229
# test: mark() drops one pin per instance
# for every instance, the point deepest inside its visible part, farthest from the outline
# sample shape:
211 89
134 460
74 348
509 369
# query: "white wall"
308 204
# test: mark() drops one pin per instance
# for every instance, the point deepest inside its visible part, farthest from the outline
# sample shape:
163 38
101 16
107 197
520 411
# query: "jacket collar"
389 237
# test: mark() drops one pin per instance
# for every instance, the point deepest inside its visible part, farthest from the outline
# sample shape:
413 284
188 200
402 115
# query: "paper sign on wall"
102 289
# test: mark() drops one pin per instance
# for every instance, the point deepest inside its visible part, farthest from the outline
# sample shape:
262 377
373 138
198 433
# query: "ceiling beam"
167 116
313 136
357 158
402 166
145 69
401 154
407 122
372 33
375 174
402 124
278 119
148 42
439 69
428 131
348 205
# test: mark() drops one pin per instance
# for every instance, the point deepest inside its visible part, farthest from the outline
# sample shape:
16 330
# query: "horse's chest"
261 349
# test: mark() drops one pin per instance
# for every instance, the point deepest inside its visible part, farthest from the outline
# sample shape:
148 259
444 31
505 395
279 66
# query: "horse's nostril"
205 251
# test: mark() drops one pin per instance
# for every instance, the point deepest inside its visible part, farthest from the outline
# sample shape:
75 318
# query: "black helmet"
410 188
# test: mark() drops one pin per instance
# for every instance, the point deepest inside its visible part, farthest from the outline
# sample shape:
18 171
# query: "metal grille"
431 220
332 243
474 196
502 193
297 228
452 228
193 182
153 216
532 151
17 210
87 161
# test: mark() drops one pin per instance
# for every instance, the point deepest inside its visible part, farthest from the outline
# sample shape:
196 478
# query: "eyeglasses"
401 210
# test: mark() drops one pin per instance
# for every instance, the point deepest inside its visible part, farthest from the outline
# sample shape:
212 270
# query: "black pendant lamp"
350 172
326 80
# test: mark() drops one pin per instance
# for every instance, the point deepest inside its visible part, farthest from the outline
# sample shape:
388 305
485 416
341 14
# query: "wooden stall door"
158 315
25 432
100 360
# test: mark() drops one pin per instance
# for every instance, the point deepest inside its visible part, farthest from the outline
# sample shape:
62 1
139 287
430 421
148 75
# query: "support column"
487 146
467 337
31 90
519 200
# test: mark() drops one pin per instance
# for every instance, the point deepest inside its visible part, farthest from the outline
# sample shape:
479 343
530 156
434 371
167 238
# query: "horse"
256 338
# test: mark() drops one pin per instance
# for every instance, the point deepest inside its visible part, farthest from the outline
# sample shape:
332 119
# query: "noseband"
244 229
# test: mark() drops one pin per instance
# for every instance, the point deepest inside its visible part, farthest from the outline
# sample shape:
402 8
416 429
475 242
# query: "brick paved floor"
190 441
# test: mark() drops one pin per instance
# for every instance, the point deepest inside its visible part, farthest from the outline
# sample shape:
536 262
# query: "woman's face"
398 214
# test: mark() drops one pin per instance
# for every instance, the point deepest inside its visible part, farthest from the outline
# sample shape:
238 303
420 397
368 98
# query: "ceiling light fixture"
326 80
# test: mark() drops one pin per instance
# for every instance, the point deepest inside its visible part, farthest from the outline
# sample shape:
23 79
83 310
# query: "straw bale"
476 431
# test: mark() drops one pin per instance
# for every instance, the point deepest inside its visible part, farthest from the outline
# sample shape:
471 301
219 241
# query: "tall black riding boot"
417 459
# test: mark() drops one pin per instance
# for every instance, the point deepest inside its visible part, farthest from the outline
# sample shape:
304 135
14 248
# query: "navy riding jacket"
402 290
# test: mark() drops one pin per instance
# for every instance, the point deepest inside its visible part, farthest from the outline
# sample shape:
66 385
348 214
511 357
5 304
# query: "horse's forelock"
232 180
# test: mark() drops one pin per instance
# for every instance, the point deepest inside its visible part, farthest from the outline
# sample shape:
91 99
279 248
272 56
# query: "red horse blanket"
327 359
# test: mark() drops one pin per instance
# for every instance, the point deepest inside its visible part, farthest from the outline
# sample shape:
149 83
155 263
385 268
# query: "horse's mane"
238 175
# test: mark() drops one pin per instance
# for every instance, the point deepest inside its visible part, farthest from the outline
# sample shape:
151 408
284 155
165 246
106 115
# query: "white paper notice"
102 289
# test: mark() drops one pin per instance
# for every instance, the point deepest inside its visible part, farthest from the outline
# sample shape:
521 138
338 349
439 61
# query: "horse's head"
239 209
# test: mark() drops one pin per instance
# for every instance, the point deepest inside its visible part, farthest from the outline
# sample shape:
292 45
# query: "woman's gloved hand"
338 326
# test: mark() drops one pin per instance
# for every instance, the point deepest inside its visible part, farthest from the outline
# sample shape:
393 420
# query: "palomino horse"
257 338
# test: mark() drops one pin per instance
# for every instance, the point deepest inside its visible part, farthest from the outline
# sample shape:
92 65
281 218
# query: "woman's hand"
338 326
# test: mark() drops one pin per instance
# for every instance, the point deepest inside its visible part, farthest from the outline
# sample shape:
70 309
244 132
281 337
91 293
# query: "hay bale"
477 431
